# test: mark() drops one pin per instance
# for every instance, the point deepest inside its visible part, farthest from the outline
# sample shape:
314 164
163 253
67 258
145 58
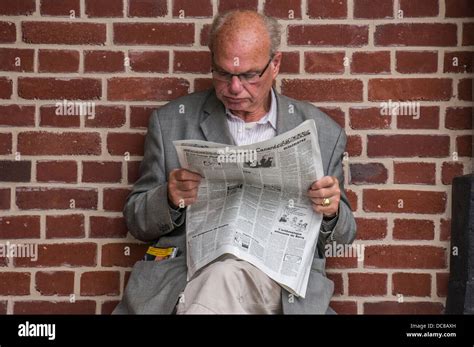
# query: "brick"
104 61
409 62
412 89
197 8
414 173
49 118
65 33
62 254
368 118
146 61
108 307
285 9
60 8
55 198
324 62
54 88
17 115
413 229
404 201
411 308
94 283
459 8
4 200
352 197
17 8
442 280
458 62
405 257
19 227
459 118
7 32
107 227
336 114
416 34
15 171
465 89
194 62
325 9
3 307
106 117
54 282
344 90
468 34
122 254
449 170
114 199
328 35
464 145
373 9
101 172
290 63
146 89
354 145
435 146
15 283
147 8
54 307
44 143
445 229
341 262
5 143
227 5
202 84
179 34
58 60
104 8
411 284
369 173
6 88
370 62
56 171
367 284
140 115
428 118
121 143
338 283
423 8
18 60
65 226
204 35
371 229
344 307
133 171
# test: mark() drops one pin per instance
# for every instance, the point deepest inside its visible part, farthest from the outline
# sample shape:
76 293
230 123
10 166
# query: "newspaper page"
252 203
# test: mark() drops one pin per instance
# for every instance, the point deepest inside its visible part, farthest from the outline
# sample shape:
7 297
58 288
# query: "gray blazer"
154 287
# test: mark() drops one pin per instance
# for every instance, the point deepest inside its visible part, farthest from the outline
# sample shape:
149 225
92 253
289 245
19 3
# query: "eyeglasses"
247 77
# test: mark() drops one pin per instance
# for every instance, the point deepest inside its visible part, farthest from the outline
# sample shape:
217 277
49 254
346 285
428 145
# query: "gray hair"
271 24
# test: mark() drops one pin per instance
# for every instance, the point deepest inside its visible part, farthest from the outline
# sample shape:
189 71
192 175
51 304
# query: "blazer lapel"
214 123
287 118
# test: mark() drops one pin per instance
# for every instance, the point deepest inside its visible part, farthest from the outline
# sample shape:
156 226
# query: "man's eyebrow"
223 70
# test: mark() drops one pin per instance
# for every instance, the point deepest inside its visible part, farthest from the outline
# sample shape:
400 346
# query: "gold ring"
326 202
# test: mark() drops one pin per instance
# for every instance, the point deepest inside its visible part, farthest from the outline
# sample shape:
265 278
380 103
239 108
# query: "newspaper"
252 203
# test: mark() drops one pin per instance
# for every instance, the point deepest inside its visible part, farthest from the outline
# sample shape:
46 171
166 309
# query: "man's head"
245 43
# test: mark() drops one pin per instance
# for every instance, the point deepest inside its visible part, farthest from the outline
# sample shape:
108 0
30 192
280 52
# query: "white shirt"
248 133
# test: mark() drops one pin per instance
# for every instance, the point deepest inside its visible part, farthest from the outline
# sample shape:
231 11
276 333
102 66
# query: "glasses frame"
229 75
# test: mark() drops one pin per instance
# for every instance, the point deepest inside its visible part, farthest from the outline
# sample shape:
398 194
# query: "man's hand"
183 187
326 187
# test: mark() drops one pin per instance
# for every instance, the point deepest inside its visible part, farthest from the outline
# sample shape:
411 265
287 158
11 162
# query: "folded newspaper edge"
252 203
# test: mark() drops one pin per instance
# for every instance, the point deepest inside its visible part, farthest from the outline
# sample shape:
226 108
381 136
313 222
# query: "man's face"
250 57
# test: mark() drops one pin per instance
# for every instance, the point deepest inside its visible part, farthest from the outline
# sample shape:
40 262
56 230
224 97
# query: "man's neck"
255 116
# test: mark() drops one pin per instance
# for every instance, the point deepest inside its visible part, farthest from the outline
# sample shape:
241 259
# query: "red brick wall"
63 179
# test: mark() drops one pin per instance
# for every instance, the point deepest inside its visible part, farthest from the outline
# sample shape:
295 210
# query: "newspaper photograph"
252 203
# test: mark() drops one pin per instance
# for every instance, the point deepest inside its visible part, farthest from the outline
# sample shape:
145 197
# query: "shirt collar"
270 117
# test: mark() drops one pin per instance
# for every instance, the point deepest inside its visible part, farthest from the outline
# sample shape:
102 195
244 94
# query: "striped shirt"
247 133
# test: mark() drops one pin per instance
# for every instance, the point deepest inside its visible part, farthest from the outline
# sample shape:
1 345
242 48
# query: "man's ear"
276 64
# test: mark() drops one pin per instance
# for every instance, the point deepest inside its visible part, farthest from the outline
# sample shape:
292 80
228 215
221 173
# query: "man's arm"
146 210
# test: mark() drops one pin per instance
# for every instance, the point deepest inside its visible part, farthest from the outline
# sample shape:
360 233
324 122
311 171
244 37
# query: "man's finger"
186 175
324 182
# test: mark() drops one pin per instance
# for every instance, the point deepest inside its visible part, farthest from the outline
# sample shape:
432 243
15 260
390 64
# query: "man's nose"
235 86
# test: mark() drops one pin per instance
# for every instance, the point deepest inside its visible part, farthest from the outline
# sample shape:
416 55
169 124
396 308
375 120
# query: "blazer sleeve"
146 210
344 230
